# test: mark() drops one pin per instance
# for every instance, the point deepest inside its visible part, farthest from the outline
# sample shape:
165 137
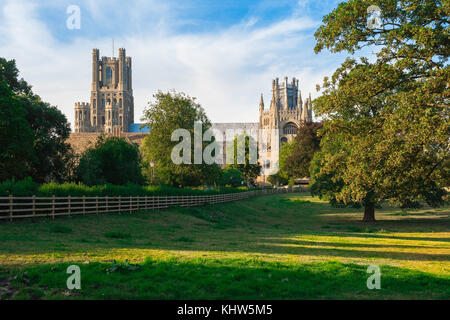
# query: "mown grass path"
289 246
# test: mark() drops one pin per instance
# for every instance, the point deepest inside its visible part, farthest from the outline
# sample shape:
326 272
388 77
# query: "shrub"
27 187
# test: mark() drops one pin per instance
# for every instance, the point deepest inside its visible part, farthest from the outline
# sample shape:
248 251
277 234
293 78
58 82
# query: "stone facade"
111 111
112 106
287 111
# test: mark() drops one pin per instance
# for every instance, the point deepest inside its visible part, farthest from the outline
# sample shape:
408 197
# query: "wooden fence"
30 207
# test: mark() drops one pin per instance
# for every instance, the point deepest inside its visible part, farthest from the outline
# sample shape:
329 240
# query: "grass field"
289 246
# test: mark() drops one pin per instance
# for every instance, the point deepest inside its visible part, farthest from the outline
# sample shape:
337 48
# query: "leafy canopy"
171 111
112 160
387 131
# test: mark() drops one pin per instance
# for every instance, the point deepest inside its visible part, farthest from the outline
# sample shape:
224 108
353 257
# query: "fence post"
138 198
120 203
84 205
10 208
96 205
53 206
131 205
34 205
106 203
68 202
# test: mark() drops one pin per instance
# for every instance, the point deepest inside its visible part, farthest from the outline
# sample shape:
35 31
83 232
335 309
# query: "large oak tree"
386 135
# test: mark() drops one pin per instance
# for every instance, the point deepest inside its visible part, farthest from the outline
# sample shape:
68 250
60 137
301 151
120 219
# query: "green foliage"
286 151
122 267
307 143
276 179
27 187
32 133
112 160
390 117
169 112
231 177
16 137
21 188
241 151
54 156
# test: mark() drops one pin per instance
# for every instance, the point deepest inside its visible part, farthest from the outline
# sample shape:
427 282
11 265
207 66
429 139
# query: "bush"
231 177
111 160
27 187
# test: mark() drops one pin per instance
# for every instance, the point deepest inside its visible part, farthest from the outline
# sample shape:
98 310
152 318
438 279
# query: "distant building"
111 109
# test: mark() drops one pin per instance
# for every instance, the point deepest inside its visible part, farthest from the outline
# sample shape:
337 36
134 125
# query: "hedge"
27 187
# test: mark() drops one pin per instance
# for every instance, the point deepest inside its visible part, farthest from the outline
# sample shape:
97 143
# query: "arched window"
283 140
290 128
108 74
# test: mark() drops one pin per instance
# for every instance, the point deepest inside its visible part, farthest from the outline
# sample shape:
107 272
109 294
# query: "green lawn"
289 246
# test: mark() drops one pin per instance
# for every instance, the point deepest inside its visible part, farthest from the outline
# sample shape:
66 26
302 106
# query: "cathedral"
111 111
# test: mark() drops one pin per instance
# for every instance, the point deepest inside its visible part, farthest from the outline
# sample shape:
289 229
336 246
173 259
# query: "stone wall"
81 141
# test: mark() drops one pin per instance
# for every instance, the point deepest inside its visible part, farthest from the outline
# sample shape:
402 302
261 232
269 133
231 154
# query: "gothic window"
283 140
115 101
108 101
120 102
94 103
103 103
290 128
95 120
103 120
108 74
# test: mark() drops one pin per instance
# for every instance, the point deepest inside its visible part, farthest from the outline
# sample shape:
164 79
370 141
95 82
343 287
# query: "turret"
261 104
82 117
310 109
95 71
122 69
299 103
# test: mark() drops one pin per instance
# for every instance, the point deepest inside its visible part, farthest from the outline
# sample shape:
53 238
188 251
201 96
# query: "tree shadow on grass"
229 279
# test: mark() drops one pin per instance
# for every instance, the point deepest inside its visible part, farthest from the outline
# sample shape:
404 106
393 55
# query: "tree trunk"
369 213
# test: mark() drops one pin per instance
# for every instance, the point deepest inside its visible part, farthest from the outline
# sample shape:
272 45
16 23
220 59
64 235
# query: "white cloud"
226 70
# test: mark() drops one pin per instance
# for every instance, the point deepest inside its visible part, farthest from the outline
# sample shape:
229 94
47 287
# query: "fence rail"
30 207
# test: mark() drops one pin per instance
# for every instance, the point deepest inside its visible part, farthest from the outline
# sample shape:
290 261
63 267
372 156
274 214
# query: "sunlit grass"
296 234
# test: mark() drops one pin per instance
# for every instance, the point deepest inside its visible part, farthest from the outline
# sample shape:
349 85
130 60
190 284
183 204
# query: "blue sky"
224 53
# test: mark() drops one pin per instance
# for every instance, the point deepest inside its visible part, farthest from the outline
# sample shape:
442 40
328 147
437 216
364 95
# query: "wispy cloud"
226 68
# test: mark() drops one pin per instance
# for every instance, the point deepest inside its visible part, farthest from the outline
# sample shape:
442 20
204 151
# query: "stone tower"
82 117
287 111
112 107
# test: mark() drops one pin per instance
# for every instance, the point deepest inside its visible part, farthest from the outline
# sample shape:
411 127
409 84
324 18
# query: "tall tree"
171 111
49 155
16 137
390 113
